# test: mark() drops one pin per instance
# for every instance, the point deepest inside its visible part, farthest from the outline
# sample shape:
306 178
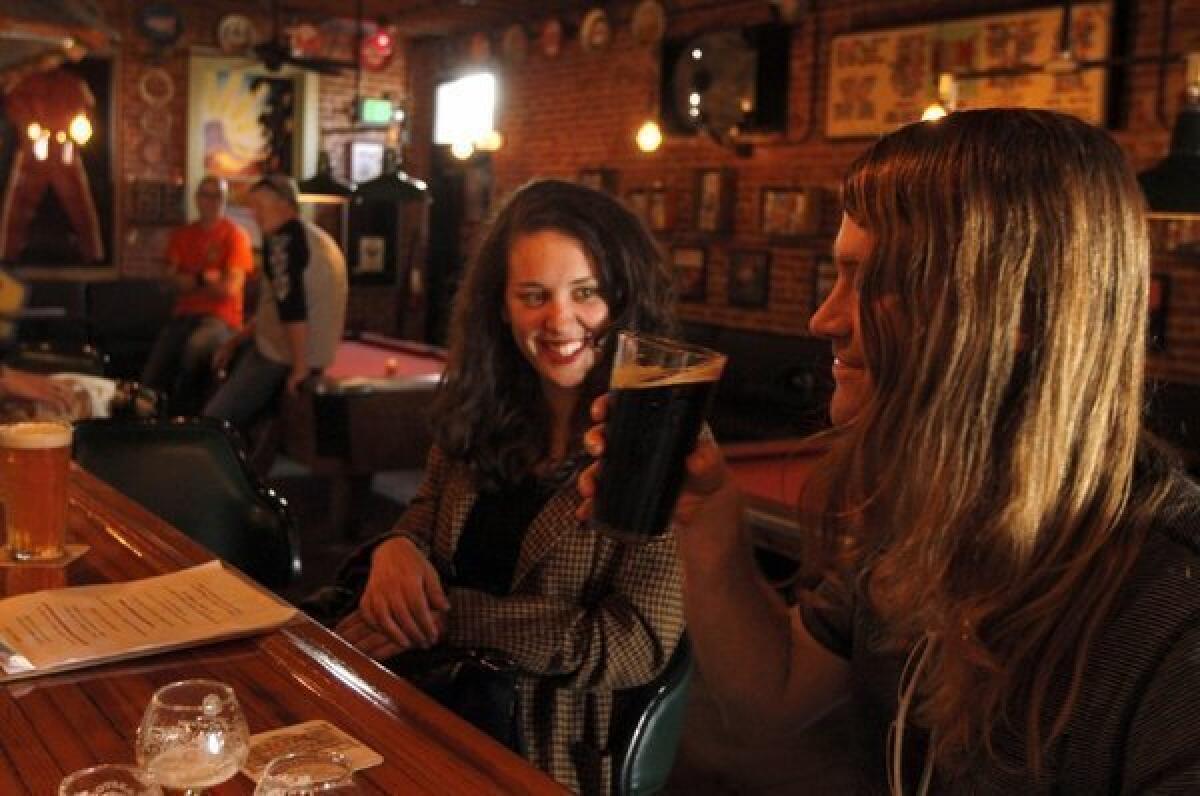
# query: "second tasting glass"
308 774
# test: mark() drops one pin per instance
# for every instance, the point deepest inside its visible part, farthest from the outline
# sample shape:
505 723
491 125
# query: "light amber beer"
34 461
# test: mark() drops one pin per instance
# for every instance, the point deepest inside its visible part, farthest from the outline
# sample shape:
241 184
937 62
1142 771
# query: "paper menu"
59 629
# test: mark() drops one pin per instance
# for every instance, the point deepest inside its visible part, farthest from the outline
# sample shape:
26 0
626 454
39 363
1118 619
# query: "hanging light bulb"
80 129
34 131
41 147
649 136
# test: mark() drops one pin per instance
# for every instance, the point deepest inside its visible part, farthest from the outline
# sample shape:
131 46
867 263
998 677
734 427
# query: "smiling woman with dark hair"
489 555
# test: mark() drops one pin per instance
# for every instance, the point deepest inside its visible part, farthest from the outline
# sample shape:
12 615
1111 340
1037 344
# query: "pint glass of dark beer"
660 392
34 461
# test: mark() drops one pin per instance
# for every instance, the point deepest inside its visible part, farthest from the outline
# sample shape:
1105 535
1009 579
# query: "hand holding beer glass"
660 392
34 465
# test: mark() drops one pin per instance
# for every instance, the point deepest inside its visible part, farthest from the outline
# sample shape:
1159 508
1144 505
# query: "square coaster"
311 736
74 551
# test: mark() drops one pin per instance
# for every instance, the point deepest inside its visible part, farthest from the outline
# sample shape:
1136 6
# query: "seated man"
208 261
301 309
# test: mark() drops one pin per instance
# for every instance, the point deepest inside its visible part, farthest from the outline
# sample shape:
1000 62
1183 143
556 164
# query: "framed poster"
749 278
688 264
244 122
656 200
789 213
714 200
366 160
1177 234
650 205
880 80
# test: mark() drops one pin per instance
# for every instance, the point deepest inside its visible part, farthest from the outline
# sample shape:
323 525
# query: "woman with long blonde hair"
1011 578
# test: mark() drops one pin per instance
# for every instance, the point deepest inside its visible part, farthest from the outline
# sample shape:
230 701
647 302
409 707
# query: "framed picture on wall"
659 219
787 214
366 160
600 179
714 200
749 278
639 202
1156 322
689 265
245 121
824 275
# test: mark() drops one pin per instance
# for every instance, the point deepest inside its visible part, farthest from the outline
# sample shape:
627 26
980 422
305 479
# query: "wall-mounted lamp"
649 136
491 141
947 98
464 148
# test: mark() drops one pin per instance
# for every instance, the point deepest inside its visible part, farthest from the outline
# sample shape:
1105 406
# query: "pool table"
368 413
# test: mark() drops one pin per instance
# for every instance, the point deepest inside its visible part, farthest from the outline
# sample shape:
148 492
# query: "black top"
486 556
1134 728
285 255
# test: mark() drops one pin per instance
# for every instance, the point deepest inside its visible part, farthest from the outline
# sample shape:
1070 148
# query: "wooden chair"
191 472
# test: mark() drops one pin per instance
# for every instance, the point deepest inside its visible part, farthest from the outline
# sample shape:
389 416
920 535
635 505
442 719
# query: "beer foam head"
35 435
633 375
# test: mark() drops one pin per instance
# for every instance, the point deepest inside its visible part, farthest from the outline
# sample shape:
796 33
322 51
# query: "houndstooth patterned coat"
586 615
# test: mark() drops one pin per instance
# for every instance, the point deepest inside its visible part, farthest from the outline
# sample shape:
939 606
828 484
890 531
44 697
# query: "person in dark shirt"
489 553
301 309
1011 568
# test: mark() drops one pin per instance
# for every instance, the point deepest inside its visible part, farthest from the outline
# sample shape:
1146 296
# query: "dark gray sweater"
1136 725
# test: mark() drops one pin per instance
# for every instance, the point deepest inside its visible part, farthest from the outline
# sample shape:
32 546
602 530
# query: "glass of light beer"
659 394
34 461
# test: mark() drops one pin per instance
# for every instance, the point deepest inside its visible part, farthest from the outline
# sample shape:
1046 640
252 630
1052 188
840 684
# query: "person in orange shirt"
208 260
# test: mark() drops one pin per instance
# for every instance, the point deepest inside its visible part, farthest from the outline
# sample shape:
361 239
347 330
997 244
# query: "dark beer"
654 417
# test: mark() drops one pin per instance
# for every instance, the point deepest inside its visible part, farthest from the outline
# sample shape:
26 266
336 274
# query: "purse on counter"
479 685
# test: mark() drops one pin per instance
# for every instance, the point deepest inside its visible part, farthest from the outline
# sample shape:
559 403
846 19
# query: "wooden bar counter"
55 724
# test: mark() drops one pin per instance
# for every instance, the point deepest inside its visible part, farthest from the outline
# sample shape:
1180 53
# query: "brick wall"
580 110
140 248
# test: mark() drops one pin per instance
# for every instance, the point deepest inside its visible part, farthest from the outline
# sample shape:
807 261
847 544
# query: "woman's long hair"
489 411
1003 313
